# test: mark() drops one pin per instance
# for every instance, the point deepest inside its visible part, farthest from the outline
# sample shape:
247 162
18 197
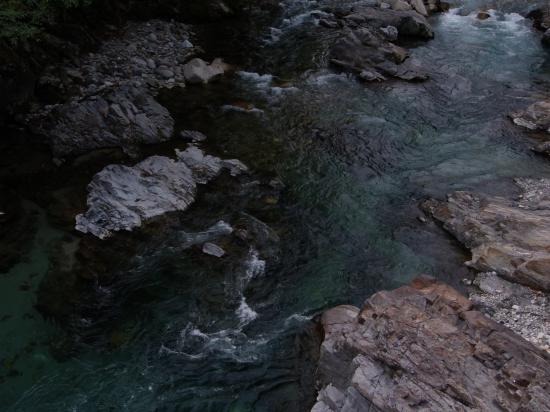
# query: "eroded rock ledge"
508 236
423 347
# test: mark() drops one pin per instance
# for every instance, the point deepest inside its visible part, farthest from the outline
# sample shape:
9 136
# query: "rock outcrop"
423 347
123 198
510 237
106 99
366 46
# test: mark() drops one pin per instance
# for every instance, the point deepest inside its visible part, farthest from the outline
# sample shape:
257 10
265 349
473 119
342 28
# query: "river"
355 160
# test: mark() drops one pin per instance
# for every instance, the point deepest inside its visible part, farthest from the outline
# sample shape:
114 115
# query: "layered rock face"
423 347
366 45
122 197
510 237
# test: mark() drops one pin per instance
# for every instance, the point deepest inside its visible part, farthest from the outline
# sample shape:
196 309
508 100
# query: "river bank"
327 213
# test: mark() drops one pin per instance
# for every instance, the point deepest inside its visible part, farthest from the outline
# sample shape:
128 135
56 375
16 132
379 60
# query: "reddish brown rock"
423 347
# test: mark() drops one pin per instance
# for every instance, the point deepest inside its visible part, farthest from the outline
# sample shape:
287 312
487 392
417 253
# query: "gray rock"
366 49
133 118
546 38
123 198
390 33
198 71
213 250
422 347
510 237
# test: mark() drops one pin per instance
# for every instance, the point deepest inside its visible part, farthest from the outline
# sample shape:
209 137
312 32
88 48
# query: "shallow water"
355 159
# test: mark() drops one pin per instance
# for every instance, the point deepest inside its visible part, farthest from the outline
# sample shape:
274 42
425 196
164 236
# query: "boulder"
367 53
408 23
508 236
123 198
423 347
198 71
124 117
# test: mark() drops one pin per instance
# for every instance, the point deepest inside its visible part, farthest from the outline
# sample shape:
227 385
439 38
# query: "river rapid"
355 161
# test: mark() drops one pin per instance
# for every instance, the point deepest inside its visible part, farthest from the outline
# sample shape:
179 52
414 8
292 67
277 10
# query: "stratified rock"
123 198
198 71
535 117
510 237
423 348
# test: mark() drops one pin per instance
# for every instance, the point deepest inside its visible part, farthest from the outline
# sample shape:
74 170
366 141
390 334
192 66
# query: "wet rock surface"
123 198
107 98
366 45
508 236
423 347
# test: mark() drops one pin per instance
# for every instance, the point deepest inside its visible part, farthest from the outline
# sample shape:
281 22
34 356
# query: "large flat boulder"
123 197
508 236
423 347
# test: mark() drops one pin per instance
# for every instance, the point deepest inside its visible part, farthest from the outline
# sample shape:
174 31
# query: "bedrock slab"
422 347
506 235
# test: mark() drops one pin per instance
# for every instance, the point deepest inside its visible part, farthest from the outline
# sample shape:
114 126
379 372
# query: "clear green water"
355 159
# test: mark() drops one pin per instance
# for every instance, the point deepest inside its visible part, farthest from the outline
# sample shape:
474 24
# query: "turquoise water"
170 333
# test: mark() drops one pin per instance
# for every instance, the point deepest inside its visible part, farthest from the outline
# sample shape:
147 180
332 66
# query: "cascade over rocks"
123 198
508 236
423 347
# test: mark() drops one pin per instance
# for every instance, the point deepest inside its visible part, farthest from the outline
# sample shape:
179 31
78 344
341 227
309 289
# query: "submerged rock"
510 237
423 347
123 198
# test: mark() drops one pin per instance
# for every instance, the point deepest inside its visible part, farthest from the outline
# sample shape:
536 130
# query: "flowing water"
356 161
